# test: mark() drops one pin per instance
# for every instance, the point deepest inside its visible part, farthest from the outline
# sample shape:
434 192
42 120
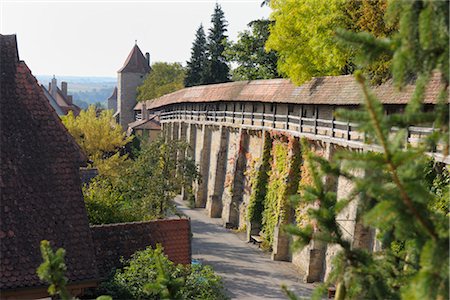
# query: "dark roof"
135 63
332 90
61 104
41 194
113 241
151 123
114 94
53 102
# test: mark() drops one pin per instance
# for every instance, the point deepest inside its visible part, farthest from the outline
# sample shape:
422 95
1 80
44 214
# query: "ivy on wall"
259 179
301 211
284 178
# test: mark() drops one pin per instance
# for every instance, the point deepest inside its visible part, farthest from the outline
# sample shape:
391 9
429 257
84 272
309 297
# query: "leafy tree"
145 187
218 70
164 79
250 56
395 195
197 66
149 274
304 36
99 137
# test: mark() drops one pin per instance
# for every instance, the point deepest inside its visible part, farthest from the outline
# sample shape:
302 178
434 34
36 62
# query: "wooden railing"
339 132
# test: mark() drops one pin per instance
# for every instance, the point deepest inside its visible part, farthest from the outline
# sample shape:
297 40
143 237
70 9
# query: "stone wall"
126 96
113 241
226 149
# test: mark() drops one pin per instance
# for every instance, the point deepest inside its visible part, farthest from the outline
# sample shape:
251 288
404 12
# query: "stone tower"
129 77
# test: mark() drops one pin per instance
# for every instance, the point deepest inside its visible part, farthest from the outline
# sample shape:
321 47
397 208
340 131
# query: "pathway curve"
248 273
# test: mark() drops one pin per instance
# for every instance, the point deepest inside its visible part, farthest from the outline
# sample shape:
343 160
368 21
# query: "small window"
272 107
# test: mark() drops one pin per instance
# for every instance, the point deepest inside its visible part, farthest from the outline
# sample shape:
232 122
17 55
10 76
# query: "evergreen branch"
388 158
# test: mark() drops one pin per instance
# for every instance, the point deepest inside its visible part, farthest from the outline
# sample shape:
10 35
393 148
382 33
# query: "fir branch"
388 158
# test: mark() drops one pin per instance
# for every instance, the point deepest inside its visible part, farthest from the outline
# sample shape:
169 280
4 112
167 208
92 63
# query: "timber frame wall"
225 135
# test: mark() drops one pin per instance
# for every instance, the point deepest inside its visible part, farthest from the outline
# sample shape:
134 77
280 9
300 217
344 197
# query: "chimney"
147 57
69 100
144 111
53 87
64 88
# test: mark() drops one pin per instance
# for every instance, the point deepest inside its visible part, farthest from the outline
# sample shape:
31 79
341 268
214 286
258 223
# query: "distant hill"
86 90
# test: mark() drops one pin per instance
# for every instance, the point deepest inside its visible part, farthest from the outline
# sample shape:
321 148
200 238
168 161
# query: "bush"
143 188
149 273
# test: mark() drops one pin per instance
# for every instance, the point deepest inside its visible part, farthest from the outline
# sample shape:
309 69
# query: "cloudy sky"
93 38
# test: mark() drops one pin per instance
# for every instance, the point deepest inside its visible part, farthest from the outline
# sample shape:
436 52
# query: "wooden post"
263 115
287 118
348 130
300 120
253 111
234 110
407 137
333 125
273 116
242 113
315 118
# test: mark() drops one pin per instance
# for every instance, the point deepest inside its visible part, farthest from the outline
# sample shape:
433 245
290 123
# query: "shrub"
149 274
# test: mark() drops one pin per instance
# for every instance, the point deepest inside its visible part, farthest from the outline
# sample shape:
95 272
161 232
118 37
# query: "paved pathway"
248 273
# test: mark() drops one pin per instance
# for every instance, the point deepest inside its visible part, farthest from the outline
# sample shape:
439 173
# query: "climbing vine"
259 179
284 177
301 210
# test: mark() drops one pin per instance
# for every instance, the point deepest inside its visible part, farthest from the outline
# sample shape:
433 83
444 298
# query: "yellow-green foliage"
282 184
165 78
301 214
303 36
99 137
258 180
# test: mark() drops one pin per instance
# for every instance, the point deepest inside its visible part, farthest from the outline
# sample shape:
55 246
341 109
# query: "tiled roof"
39 179
151 123
135 63
53 102
113 241
332 90
60 103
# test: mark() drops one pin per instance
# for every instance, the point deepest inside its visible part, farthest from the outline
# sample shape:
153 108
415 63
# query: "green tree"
396 195
165 78
197 66
149 274
99 137
253 62
304 36
144 188
218 70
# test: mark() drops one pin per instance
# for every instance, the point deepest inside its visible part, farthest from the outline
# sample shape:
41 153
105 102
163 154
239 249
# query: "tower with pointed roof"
130 76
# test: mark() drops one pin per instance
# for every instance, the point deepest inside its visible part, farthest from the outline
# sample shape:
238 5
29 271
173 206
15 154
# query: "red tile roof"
151 123
39 179
113 241
135 63
333 90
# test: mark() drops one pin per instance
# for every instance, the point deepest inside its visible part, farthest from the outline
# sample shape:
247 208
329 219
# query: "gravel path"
248 273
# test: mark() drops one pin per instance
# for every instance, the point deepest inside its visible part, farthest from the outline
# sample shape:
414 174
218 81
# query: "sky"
93 38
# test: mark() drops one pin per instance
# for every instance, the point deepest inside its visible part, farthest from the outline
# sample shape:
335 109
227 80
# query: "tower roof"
135 63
